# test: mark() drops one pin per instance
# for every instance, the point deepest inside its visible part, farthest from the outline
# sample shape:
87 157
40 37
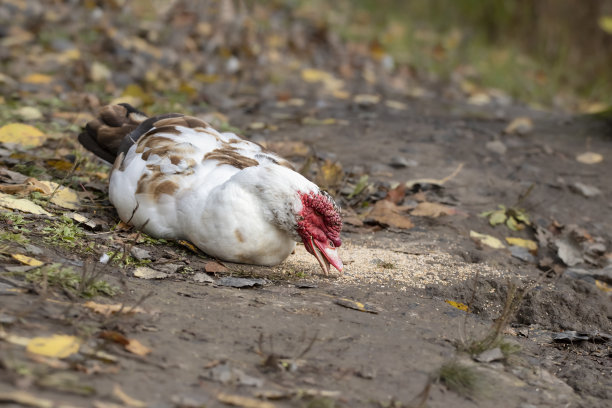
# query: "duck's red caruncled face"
319 227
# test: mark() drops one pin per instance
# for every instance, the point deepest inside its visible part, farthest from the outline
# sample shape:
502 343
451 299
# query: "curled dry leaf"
532 246
24 259
388 214
433 210
521 126
397 194
487 240
458 305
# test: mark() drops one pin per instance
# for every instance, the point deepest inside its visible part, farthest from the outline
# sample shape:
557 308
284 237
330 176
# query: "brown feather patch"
232 157
239 236
186 121
165 187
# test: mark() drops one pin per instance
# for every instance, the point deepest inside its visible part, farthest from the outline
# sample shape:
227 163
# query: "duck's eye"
331 244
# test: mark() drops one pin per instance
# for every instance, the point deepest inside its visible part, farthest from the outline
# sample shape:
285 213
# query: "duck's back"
153 184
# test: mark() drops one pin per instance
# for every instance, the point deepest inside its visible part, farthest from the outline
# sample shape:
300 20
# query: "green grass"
63 277
64 231
460 378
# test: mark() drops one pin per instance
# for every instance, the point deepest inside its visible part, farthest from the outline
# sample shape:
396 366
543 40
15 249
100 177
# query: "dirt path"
293 341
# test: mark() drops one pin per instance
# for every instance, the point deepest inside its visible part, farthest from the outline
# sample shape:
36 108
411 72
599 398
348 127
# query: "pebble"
202 278
585 189
140 253
496 146
401 162
490 355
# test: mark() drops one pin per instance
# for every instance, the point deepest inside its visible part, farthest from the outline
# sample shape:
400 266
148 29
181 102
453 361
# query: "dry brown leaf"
114 336
350 217
396 195
434 210
386 213
136 347
215 267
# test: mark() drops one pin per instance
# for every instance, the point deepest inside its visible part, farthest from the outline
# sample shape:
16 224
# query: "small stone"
521 253
490 355
202 278
401 162
585 189
140 253
34 250
147 273
29 113
496 146
168 268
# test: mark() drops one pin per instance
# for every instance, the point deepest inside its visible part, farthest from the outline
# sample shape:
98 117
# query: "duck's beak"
325 254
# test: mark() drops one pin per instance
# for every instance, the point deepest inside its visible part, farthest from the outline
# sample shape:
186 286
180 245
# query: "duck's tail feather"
104 135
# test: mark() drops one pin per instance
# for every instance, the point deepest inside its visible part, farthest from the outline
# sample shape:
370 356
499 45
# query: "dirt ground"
288 342
182 330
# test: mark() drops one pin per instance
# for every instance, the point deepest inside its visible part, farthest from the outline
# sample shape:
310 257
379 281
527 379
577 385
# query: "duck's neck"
278 191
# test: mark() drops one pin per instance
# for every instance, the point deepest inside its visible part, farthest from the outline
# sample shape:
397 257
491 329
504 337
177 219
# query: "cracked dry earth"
292 341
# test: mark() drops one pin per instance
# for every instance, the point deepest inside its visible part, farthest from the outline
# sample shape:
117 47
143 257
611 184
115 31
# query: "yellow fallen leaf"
257 126
136 347
59 346
315 75
603 286
126 399
25 135
21 204
330 83
397 105
458 305
66 198
330 174
521 125
108 310
589 158
605 23
487 240
479 99
37 79
366 99
24 259
532 246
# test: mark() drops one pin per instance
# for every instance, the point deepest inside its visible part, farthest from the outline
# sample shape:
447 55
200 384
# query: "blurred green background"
553 53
